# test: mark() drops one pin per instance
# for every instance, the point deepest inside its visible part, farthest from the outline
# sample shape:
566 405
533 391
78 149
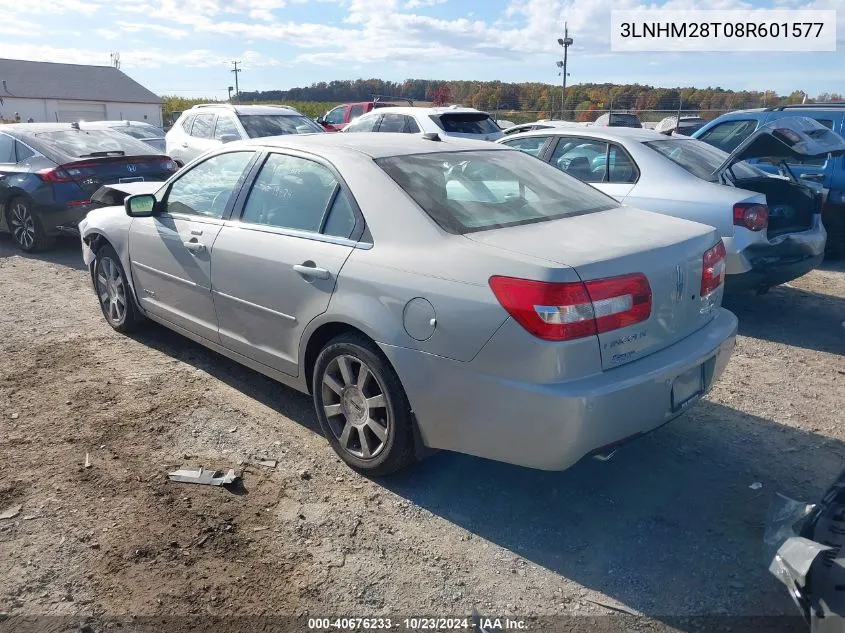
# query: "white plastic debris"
203 476
87 461
756 485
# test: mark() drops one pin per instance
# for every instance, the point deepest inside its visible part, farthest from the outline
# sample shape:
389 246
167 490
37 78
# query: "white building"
48 92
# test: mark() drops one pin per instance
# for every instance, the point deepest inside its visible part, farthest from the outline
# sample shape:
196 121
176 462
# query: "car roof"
372 144
244 109
117 123
421 110
608 133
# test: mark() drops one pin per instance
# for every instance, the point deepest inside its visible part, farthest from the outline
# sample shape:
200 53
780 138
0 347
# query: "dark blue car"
729 130
50 171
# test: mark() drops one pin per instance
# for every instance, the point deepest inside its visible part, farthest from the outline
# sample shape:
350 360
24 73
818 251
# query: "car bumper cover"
552 426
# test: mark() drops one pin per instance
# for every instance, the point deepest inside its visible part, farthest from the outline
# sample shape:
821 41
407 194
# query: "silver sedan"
771 226
429 293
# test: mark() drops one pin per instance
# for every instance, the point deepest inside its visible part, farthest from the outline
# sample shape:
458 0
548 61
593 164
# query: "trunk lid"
790 139
92 173
667 250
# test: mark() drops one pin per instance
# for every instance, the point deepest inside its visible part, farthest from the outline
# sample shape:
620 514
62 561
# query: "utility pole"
566 42
236 70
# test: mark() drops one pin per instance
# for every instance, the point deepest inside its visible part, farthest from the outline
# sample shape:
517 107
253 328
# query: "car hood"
792 139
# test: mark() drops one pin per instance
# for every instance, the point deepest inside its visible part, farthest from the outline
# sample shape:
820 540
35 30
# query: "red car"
337 118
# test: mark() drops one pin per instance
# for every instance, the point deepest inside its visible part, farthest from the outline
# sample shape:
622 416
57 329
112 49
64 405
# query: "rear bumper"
60 219
551 426
782 259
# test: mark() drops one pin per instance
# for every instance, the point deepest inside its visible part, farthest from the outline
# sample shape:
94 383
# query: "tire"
25 226
370 428
114 293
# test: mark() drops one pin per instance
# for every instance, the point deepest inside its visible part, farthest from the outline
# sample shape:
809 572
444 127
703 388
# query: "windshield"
82 143
466 123
486 189
261 125
699 158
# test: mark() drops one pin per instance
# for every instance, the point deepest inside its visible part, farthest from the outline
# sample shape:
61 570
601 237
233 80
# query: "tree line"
581 99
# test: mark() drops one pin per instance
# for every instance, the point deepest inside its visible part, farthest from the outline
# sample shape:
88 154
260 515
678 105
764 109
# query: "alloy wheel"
111 289
22 224
355 407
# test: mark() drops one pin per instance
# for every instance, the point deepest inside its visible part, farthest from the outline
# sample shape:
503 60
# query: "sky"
185 47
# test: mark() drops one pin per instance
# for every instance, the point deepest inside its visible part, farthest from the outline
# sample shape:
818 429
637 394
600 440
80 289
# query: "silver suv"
205 127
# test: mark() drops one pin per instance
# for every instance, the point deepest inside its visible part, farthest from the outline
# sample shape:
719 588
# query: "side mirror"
140 205
228 138
320 120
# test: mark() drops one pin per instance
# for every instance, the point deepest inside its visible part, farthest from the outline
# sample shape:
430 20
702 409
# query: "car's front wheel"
114 293
26 227
362 407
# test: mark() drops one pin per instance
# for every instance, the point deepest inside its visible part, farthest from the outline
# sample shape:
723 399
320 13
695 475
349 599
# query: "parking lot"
669 527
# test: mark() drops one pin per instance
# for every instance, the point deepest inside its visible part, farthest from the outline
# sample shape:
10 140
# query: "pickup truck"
337 118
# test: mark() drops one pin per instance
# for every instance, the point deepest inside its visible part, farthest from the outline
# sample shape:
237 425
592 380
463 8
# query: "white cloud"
413 4
11 25
159 29
50 7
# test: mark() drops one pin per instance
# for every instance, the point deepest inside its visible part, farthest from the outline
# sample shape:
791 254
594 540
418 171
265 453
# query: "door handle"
194 246
311 271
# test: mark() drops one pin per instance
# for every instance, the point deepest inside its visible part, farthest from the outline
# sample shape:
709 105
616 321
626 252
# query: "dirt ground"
669 527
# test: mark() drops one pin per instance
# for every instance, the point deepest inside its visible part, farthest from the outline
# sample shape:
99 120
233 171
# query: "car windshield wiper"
111 152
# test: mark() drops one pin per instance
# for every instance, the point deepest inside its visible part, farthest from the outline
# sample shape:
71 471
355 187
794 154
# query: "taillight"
713 270
752 216
565 311
56 174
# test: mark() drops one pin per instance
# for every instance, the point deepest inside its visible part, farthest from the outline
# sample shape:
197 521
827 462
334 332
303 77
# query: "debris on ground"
87 461
756 485
234 429
203 476
11 513
304 474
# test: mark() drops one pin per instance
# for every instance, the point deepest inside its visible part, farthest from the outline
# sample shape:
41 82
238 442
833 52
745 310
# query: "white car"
451 121
206 127
771 226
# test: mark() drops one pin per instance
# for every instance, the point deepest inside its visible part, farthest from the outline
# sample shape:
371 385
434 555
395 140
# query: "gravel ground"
668 528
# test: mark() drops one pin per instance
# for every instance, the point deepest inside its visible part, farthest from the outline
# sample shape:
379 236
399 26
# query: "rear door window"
335 117
203 125
582 158
355 111
364 124
398 123
291 193
728 135
621 167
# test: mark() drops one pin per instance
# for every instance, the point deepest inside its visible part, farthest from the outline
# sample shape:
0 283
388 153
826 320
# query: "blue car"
729 130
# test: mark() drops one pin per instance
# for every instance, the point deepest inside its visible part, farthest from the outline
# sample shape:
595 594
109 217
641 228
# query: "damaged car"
771 224
804 550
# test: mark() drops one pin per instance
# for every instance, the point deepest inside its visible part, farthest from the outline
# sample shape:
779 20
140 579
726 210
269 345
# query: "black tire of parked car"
30 236
397 451
131 318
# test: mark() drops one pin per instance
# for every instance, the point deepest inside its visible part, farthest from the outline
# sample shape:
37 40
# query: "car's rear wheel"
362 407
114 293
26 227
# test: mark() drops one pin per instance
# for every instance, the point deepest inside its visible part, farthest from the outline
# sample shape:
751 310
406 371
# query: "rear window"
261 125
699 158
466 123
87 143
142 131
624 120
472 191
